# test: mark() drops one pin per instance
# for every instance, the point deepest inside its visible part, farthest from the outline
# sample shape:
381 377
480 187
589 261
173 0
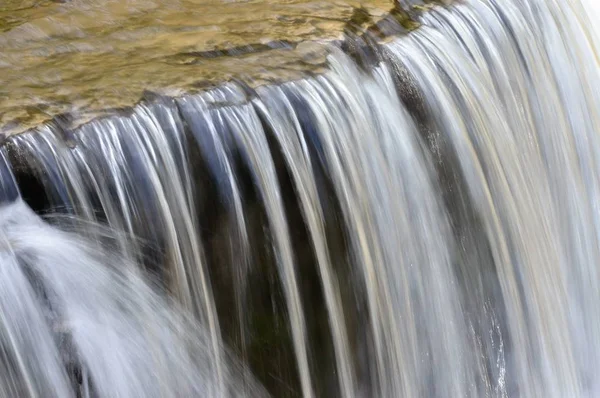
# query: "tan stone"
87 56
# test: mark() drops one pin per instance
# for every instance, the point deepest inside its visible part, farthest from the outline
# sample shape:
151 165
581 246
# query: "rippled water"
420 220
83 57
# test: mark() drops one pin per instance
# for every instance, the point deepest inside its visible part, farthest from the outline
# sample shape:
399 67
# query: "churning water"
422 223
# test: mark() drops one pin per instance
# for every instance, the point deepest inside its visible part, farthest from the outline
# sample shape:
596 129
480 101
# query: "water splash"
68 300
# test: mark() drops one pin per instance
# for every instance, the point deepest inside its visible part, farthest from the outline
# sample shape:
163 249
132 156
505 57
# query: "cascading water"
425 224
70 303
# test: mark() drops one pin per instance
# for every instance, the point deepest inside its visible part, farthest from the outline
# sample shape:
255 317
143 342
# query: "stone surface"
87 57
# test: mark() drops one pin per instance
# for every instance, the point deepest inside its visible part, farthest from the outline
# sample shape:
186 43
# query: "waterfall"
420 220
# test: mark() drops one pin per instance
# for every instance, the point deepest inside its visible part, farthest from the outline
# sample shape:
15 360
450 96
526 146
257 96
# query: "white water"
68 300
428 227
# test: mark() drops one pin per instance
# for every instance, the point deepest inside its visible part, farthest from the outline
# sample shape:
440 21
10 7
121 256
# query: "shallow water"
86 56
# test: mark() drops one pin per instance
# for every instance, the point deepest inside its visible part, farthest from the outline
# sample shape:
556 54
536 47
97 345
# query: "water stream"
420 220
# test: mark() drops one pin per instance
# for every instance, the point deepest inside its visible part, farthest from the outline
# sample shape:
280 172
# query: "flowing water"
421 220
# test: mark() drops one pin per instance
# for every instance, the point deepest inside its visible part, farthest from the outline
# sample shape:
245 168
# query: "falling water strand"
9 189
280 113
170 186
195 112
346 123
151 187
514 127
246 129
